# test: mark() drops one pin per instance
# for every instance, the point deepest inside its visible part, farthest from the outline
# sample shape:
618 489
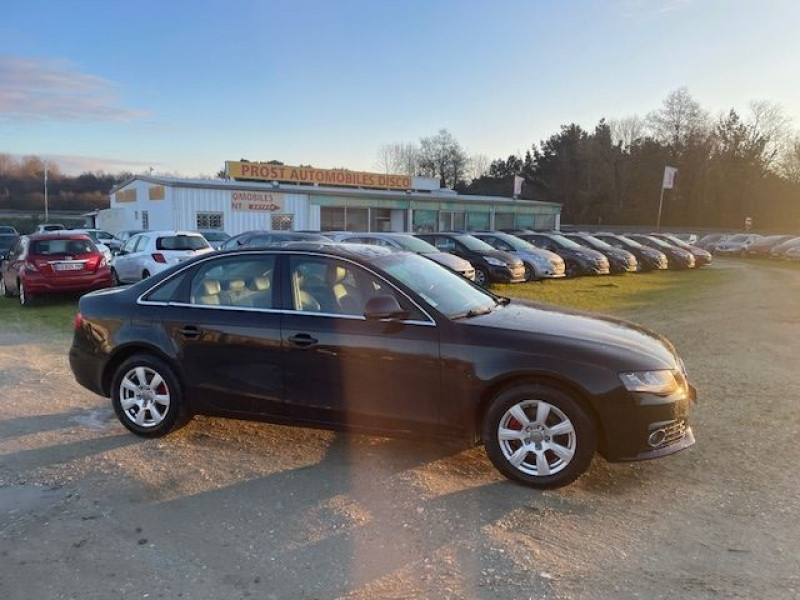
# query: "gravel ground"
227 509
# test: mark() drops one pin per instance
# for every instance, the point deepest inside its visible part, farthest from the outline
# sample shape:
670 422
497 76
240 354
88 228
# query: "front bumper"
643 426
508 274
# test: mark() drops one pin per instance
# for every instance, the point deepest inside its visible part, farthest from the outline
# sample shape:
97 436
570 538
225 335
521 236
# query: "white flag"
669 178
518 185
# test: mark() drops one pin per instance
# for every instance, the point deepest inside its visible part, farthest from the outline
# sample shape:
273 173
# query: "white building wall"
131 215
188 202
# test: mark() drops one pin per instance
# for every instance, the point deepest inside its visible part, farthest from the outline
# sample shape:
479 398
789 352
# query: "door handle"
191 332
303 340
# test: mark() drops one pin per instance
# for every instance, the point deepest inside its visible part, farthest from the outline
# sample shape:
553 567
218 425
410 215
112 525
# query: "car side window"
236 281
130 245
446 244
167 291
141 244
323 285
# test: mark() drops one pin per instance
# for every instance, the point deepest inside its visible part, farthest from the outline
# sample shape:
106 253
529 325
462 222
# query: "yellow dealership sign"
267 172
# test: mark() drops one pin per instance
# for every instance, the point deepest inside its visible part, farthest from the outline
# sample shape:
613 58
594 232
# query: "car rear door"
340 367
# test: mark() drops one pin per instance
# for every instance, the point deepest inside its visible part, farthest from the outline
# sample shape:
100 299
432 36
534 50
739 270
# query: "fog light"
657 438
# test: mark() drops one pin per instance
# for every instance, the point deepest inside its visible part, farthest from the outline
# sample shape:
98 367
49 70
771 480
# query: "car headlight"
652 382
495 262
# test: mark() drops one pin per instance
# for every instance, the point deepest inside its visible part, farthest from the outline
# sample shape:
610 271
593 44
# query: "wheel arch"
549 379
125 352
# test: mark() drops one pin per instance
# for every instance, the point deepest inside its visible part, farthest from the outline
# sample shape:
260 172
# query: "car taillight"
159 258
78 321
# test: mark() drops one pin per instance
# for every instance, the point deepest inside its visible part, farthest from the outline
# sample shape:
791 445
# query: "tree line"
737 165
22 186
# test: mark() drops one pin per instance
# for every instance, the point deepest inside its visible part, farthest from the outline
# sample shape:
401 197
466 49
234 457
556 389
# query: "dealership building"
262 196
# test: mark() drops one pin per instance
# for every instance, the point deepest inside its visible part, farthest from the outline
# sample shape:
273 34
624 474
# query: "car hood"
451 261
536 255
506 257
582 327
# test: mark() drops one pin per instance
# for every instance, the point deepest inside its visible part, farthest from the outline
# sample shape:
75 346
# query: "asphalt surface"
228 509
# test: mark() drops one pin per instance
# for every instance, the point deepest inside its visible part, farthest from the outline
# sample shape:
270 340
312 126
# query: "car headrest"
236 285
336 274
259 284
211 287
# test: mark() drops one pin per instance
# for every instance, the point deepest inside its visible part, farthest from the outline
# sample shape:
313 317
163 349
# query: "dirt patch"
228 509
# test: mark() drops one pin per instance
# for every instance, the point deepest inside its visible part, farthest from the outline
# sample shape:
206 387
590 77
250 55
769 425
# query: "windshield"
59 247
215 236
473 243
515 242
596 242
7 241
739 237
564 242
413 244
657 241
676 241
630 242
447 292
181 242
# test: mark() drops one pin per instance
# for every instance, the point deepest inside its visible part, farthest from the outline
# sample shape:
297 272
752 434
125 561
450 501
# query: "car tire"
482 277
147 396
3 289
145 274
556 440
571 269
530 274
115 280
25 299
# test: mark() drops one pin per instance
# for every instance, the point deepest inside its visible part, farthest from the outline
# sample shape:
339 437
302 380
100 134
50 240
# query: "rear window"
61 247
181 242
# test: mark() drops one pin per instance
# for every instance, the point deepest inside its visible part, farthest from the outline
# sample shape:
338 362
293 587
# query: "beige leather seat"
210 295
347 298
303 300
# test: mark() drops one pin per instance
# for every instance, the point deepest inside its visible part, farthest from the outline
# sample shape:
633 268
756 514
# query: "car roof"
166 232
59 235
345 250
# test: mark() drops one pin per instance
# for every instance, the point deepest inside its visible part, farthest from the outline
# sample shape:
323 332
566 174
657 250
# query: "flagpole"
660 205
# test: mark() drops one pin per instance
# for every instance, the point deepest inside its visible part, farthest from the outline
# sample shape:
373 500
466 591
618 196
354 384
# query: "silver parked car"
736 244
539 263
406 241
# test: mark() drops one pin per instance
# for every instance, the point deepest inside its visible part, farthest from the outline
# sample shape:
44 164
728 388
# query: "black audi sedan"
491 265
362 338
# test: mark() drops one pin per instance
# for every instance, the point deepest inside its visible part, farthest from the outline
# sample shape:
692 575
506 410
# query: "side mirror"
384 307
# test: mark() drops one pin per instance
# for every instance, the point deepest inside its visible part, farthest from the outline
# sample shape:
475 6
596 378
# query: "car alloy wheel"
537 438
146 396
481 277
538 435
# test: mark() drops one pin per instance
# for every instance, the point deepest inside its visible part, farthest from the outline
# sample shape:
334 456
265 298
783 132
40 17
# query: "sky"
183 86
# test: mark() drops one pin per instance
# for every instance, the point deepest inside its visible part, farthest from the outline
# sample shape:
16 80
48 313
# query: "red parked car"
52 263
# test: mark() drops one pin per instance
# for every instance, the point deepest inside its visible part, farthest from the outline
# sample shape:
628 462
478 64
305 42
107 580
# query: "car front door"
13 264
340 367
228 333
122 261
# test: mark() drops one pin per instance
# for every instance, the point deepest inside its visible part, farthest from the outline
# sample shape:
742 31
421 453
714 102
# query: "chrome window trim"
260 251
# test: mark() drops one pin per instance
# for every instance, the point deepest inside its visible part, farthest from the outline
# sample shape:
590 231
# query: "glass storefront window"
356 219
524 221
424 221
380 219
331 218
477 220
504 221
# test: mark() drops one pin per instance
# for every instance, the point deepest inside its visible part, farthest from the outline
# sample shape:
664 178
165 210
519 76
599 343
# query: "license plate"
69 266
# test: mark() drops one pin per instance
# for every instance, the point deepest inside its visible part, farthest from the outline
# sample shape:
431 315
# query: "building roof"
313 190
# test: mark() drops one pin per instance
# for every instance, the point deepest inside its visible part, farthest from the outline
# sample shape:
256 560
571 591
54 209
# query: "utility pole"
46 211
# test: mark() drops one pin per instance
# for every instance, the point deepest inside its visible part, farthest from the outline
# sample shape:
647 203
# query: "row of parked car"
87 259
752 245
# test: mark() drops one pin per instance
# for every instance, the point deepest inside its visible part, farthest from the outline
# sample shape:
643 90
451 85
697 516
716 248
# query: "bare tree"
679 117
790 164
478 166
399 158
768 126
442 156
627 130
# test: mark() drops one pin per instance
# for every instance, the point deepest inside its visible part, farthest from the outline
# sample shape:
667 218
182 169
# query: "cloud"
54 89
633 8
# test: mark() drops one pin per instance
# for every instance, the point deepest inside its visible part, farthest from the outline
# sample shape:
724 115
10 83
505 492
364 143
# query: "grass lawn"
55 314
616 294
